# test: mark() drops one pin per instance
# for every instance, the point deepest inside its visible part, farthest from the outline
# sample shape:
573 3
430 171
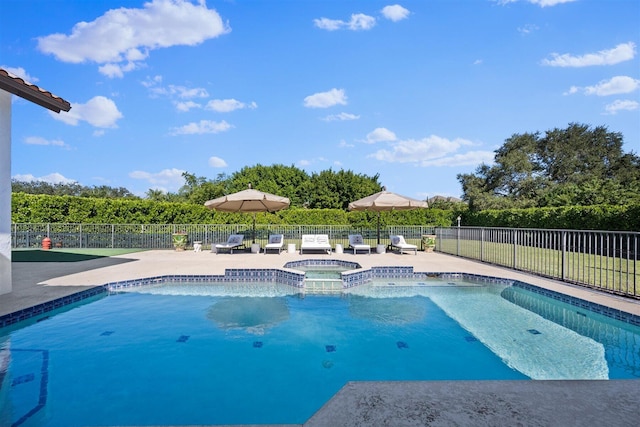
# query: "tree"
286 181
198 190
574 166
70 189
335 190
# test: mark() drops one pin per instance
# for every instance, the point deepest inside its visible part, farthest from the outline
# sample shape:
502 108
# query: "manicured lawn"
65 255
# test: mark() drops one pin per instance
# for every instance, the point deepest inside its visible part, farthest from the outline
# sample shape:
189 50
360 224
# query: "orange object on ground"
46 243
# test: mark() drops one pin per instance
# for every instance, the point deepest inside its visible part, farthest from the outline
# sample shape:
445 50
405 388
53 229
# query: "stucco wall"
5 192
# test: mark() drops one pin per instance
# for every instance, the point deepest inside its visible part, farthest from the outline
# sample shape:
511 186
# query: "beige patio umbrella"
251 201
386 201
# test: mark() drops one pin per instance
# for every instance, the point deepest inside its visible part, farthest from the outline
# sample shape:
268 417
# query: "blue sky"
415 91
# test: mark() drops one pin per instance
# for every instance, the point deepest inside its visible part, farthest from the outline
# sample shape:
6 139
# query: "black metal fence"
158 236
606 260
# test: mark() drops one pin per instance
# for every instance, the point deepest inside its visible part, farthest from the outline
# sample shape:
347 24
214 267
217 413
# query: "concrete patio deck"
437 403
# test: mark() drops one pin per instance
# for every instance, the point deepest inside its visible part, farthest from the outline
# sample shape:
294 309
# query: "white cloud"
326 99
541 3
621 105
470 158
167 177
328 24
186 106
173 91
432 151
528 29
304 163
545 3
228 105
341 117
20 72
620 53
121 38
217 162
52 178
615 85
37 140
201 127
345 144
395 12
380 135
99 111
358 21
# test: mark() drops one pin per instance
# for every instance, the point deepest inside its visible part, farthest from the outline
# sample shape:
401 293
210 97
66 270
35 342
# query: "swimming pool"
213 353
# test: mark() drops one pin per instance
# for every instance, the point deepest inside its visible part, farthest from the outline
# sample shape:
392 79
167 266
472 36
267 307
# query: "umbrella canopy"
249 200
386 201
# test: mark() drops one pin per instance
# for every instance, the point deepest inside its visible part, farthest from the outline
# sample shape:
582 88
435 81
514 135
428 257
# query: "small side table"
381 249
339 248
197 246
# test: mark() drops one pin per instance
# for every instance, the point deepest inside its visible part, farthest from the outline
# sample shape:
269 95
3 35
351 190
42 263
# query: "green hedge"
31 208
599 217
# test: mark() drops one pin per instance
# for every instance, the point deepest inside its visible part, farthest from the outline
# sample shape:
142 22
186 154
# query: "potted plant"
179 241
429 242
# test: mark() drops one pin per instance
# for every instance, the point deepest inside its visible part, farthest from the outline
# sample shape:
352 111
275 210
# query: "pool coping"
291 277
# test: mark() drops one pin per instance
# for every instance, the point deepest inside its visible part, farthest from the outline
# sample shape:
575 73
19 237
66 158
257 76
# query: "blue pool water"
258 353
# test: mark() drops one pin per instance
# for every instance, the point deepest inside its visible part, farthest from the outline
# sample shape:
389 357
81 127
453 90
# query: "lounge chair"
398 242
276 243
235 241
356 242
317 242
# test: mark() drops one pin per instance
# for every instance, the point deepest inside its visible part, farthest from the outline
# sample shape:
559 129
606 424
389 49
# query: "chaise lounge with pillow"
235 241
276 243
399 243
315 242
356 242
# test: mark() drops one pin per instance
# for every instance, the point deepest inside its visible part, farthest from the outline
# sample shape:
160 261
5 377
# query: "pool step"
322 286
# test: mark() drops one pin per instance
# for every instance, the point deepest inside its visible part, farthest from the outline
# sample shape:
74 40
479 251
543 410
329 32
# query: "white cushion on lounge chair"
315 242
399 242
234 241
276 242
357 243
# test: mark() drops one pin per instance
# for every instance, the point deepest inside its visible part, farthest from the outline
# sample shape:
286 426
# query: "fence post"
458 240
563 267
515 249
482 244
80 235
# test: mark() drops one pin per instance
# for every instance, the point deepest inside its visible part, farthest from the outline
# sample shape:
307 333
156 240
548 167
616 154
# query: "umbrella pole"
254 227
378 227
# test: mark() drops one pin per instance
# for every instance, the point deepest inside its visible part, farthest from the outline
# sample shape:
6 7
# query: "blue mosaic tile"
330 348
183 338
23 379
402 345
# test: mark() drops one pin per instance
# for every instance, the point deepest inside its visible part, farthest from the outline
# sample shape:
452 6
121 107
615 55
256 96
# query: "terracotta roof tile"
19 87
